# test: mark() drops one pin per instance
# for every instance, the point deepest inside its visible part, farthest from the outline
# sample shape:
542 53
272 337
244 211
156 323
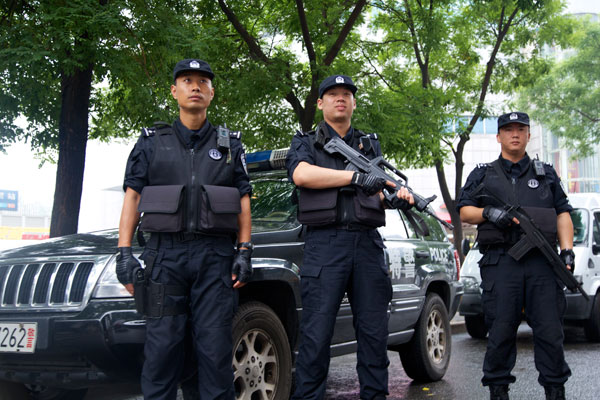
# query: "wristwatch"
247 245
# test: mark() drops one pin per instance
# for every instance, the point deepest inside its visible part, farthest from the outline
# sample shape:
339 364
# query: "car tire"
475 325
37 392
426 356
262 359
591 326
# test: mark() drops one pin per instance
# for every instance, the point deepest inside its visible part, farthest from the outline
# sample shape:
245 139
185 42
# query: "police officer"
343 250
176 174
509 286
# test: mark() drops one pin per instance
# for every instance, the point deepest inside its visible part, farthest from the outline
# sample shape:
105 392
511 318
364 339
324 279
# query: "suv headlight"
108 285
471 285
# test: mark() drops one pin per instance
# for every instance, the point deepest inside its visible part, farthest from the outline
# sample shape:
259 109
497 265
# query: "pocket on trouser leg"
311 287
488 302
561 299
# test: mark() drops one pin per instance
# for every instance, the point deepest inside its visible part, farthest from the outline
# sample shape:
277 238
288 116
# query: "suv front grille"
43 285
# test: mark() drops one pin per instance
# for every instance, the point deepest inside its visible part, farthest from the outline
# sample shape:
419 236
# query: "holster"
150 295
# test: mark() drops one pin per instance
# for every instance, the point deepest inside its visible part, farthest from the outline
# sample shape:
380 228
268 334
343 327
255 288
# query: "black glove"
497 216
369 183
126 262
568 257
399 204
242 265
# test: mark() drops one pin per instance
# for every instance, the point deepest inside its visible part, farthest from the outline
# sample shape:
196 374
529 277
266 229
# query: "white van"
586 245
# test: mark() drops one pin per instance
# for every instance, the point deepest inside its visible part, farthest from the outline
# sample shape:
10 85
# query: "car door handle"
422 254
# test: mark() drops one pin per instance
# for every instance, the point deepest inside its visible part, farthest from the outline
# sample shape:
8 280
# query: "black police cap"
192 64
336 80
518 117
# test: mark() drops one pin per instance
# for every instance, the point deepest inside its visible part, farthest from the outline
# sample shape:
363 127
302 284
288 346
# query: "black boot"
499 392
555 392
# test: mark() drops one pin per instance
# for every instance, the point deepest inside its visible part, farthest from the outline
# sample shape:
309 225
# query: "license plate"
18 337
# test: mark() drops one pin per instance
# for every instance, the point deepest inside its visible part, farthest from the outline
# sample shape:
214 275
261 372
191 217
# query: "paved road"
461 382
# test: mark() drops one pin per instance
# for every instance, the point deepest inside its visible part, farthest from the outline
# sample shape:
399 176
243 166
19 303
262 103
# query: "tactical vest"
189 190
339 206
532 192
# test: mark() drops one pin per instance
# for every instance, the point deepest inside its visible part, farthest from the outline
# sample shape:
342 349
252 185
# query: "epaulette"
148 131
156 128
301 133
235 134
483 165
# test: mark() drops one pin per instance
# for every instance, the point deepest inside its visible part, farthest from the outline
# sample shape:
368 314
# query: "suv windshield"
272 208
580 226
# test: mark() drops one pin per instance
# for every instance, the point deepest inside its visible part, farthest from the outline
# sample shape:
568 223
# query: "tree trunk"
72 140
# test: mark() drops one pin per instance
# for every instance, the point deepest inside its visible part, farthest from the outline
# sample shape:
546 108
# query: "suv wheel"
262 360
591 326
426 357
476 326
38 392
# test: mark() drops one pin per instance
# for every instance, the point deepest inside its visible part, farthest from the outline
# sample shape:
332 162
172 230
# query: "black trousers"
203 266
509 286
338 261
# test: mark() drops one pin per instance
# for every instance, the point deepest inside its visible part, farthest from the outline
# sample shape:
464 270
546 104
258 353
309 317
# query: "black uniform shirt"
136 171
302 149
514 170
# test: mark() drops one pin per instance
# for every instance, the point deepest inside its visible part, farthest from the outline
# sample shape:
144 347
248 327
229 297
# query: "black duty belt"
183 236
347 227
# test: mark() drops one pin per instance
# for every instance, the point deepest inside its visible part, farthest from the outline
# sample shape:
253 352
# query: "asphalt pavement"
462 380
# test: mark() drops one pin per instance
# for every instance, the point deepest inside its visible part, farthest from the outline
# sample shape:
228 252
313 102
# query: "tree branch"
415 43
306 34
255 50
337 45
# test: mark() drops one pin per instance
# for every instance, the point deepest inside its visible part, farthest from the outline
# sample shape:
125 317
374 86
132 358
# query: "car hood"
101 242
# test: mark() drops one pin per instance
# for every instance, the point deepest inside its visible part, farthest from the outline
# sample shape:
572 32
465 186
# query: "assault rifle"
533 239
378 166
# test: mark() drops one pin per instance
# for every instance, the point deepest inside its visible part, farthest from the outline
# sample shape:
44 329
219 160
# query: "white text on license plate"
18 337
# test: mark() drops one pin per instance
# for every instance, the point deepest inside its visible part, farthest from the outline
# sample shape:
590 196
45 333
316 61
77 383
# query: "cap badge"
194 64
533 183
215 154
513 116
339 79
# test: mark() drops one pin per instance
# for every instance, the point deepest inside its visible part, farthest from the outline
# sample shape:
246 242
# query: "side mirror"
595 249
465 246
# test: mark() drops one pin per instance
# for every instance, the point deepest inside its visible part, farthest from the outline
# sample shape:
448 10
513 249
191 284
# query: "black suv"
67 324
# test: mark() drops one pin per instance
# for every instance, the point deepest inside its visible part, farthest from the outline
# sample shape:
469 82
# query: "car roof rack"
267 160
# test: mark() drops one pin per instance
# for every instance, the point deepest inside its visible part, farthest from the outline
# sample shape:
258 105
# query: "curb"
457 324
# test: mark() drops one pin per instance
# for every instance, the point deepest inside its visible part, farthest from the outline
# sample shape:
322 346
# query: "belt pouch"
369 209
488 233
317 206
219 209
162 208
